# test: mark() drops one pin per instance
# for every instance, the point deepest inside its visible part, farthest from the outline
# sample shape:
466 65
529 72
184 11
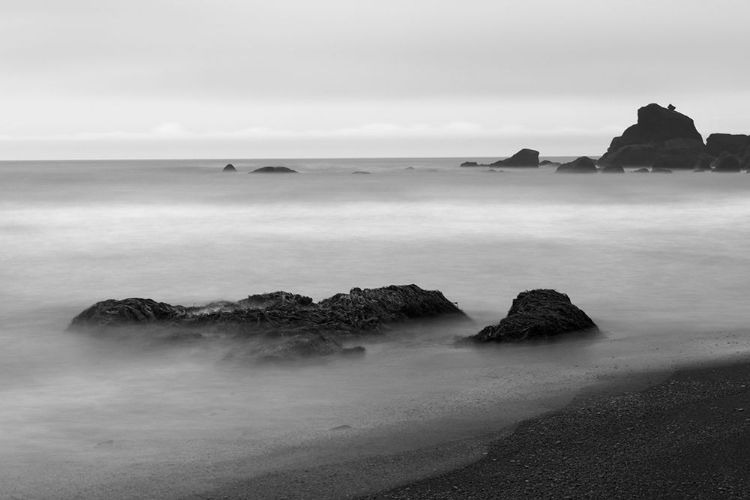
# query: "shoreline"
382 474
686 437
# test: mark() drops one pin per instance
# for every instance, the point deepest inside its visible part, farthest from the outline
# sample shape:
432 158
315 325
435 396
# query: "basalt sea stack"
537 314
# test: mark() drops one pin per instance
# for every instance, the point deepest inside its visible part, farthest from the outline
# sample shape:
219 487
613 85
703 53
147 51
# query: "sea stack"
660 132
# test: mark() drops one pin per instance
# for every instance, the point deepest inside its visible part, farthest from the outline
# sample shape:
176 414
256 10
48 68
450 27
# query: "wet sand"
682 436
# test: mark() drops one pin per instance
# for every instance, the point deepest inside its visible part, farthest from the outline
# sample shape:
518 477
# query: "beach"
687 436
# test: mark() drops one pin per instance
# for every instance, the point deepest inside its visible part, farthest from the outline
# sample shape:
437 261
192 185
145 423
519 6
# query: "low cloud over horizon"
86 79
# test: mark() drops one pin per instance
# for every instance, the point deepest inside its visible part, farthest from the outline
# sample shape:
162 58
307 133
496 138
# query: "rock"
277 314
548 163
537 314
360 172
524 158
581 165
677 161
274 170
613 169
660 171
658 132
641 171
735 144
727 163
229 168
470 164
295 348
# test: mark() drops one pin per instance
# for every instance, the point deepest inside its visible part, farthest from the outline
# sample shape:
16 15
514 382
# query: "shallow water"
657 261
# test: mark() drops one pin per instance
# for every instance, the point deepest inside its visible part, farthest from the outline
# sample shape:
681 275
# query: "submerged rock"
274 170
641 171
734 144
229 168
470 164
537 314
581 165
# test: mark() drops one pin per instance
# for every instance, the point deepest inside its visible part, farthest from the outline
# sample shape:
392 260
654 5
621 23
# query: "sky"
86 79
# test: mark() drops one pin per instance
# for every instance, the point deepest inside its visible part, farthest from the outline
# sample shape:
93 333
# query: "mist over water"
658 262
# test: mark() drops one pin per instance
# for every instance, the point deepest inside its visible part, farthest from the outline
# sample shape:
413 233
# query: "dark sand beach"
687 436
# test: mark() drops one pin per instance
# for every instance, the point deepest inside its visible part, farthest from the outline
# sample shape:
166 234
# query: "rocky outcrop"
581 165
734 144
660 132
613 169
525 158
277 313
229 168
641 171
274 170
549 163
727 163
677 161
537 314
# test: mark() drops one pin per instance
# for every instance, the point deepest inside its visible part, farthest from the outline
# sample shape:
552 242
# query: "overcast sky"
353 78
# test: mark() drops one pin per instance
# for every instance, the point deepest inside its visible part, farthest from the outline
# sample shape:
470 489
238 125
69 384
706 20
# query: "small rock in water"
341 428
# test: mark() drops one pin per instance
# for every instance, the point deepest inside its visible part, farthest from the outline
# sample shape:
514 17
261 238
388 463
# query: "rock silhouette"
581 165
274 170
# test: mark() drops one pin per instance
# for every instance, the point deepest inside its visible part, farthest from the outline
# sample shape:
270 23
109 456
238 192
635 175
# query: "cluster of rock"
666 140
284 325
525 158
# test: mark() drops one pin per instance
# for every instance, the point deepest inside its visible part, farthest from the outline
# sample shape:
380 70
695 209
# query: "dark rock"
470 164
581 165
298 347
361 172
524 158
537 314
705 164
727 163
274 170
730 143
229 168
660 171
641 171
677 161
659 131
277 314
546 163
613 169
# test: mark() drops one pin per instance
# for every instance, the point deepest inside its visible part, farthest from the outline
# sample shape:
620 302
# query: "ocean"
659 262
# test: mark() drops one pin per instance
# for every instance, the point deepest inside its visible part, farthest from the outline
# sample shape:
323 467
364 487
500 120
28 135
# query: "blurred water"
659 262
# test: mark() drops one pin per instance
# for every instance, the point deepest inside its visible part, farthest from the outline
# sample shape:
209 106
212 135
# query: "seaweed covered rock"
127 312
276 314
537 314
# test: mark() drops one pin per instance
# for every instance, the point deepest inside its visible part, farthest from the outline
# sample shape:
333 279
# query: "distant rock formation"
735 144
537 314
360 172
727 163
613 169
581 165
641 171
525 158
660 132
549 163
283 324
229 168
656 170
274 170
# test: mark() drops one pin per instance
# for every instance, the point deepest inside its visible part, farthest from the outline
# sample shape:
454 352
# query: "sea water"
659 262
